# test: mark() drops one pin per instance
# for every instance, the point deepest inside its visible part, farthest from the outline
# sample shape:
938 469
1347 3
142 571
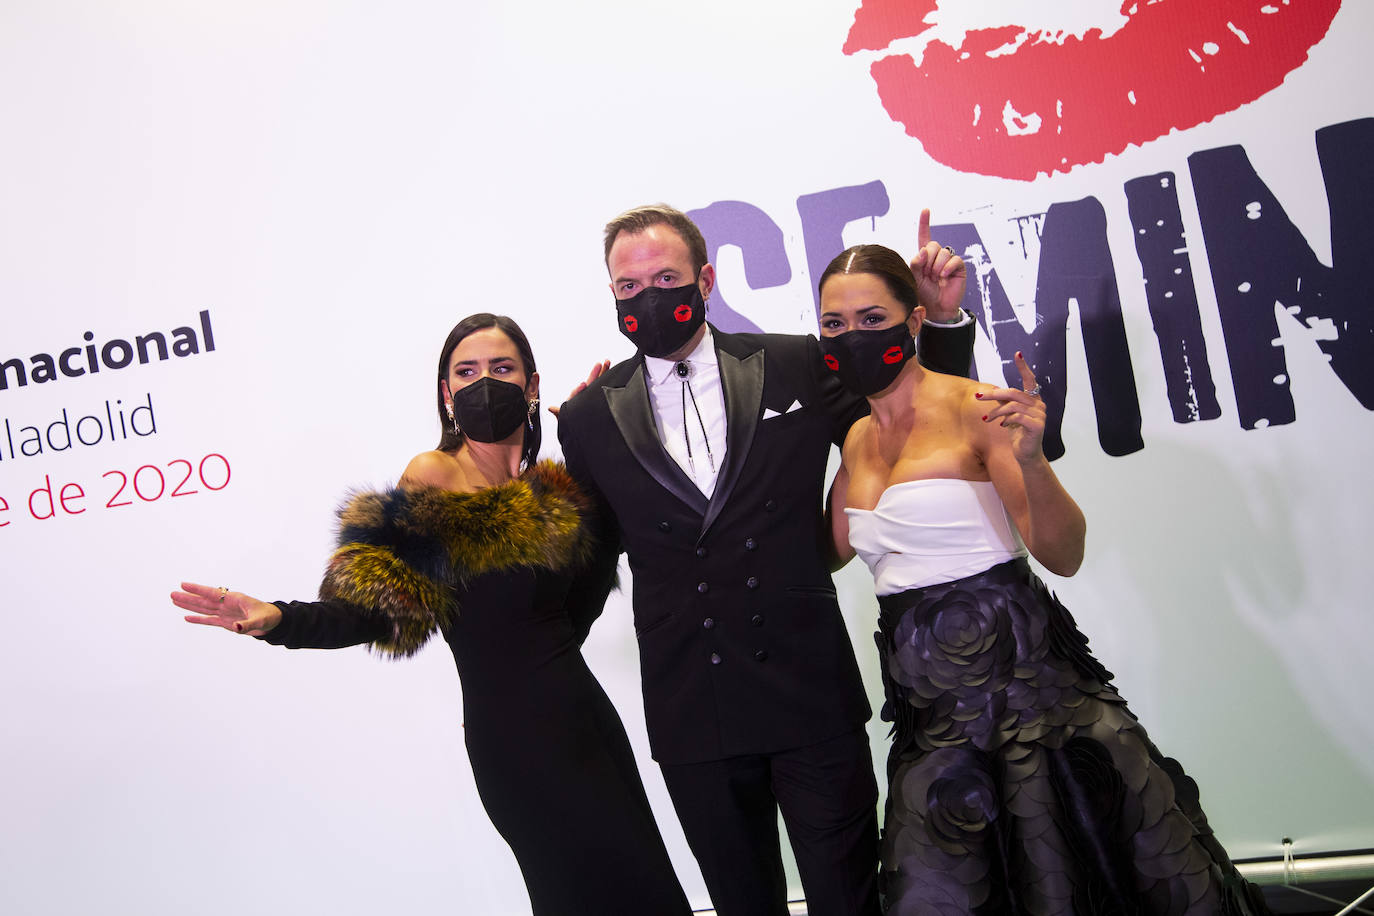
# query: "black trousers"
829 803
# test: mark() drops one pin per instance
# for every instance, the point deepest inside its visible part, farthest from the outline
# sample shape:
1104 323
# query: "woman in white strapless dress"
1018 781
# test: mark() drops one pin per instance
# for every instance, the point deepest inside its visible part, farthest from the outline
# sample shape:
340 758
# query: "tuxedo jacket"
743 649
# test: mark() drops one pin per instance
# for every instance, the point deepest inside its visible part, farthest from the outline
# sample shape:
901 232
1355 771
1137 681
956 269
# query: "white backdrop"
336 184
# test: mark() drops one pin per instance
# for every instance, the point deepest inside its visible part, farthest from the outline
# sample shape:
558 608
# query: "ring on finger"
949 249
1034 392
222 592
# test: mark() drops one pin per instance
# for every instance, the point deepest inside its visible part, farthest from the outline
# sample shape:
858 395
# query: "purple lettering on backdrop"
1259 259
733 222
1171 295
824 216
1074 264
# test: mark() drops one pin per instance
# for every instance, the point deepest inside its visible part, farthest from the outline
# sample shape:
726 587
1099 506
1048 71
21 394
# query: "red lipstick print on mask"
1040 105
893 355
631 323
683 313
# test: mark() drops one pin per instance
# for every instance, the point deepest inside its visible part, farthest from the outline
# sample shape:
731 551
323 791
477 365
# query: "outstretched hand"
592 376
1021 411
219 607
940 275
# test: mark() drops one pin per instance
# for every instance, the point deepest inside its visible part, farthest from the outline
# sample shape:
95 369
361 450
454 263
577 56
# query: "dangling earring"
529 414
452 419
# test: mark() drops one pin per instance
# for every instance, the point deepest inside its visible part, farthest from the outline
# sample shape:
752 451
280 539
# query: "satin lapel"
630 409
741 380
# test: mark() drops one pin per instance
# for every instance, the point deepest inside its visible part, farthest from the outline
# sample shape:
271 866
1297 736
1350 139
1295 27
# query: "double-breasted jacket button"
756 620
715 658
751 582
703 588
702 551
771 505
761 655
709 622
664 527
750 544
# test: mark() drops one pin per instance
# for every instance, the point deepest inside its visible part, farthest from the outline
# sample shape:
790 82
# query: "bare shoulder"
954 386
972 409
432 469
956 392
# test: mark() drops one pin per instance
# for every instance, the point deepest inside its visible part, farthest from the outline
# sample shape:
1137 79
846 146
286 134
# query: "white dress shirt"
676 429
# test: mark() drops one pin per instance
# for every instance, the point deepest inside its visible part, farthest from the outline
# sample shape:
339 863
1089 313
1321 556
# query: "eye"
463 372
830 324
667 279
627 287
501 370
872 319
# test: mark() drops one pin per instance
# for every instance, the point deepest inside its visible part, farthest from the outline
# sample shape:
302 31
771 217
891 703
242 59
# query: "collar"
662 370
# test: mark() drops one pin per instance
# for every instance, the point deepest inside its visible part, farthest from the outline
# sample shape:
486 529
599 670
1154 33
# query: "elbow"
1067 556
1072 560
1066 566
836 558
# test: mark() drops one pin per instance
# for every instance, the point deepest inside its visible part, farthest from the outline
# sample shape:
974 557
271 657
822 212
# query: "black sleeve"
587 596
325 625
947 350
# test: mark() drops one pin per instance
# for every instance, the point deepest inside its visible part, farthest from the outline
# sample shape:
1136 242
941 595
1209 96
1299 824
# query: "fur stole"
402 553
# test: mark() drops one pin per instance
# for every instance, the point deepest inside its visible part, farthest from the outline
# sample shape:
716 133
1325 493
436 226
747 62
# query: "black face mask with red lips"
868 361
661 321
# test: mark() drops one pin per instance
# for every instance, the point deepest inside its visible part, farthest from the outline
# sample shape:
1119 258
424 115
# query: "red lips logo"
1012 102
832 363
631 323
892 355
683 312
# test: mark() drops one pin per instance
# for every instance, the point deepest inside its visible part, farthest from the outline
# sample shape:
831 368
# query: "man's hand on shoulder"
592 376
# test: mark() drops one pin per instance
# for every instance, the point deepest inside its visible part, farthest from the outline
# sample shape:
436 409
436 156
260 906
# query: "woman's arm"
838 550
593 584
294 624
1008 431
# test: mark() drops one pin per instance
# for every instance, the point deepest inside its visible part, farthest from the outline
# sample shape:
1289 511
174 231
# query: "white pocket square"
769 412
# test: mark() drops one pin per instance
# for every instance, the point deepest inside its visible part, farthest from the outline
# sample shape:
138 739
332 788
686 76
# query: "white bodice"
928 531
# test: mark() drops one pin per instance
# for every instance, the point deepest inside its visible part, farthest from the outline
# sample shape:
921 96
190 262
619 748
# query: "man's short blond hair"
641 218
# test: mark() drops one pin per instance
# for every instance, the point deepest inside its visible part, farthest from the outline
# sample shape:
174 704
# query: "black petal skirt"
1019 782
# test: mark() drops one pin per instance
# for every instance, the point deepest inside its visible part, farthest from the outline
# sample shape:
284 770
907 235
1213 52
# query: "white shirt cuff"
963 319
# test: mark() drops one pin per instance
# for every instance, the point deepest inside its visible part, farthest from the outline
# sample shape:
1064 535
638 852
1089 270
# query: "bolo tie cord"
682 371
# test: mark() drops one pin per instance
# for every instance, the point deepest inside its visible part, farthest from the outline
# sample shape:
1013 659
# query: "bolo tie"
683 370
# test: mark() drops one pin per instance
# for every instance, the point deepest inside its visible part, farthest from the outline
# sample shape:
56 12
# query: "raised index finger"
923 229
1027 376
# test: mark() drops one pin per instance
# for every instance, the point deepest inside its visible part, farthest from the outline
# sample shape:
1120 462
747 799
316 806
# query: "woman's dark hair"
451 439
881 262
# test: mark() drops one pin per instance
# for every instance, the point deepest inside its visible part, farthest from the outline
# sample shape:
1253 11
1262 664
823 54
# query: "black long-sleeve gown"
510 577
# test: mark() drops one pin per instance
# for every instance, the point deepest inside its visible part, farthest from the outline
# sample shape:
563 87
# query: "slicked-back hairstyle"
881 262
451 439
641 218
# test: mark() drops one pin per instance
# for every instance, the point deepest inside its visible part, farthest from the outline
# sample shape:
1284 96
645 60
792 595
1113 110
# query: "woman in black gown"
499 555
1018 780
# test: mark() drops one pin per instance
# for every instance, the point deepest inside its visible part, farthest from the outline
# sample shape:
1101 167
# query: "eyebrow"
653 273
863 311
473 362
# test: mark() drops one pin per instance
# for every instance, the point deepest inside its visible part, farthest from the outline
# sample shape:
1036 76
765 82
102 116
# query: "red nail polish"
985 418
978 395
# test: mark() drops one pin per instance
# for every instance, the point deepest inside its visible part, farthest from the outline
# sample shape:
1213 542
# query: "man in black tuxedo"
709 452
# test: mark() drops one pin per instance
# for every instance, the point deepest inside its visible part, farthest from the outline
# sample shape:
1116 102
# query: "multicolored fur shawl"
402 552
